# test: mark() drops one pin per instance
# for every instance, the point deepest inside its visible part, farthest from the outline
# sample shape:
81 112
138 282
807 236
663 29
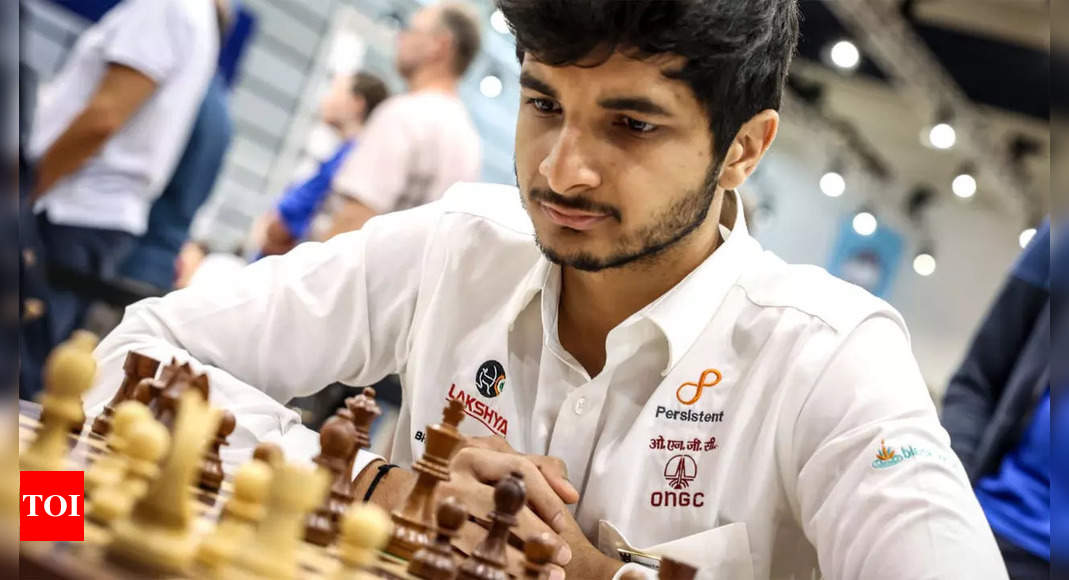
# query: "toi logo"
51 506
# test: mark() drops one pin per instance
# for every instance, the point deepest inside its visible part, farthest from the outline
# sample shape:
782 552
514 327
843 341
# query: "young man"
419 143
345 107
612 329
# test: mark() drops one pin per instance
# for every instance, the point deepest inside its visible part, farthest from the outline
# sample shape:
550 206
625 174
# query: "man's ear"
750 144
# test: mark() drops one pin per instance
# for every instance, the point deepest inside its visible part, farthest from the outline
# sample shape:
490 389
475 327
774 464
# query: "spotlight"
832 184
942 136
498 22
845 55
865 223
490 86
924 263
964 185
1026 236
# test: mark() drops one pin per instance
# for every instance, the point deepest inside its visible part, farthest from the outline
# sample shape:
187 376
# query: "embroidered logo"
679 472
490 379
889 456
659 442
480 411
709 378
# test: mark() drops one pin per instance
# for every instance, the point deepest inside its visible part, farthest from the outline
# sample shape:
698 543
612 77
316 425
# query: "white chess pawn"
68 373
145 444
242 513
108 469
365 528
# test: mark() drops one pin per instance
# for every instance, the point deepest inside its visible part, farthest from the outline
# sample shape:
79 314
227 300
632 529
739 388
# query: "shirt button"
580 405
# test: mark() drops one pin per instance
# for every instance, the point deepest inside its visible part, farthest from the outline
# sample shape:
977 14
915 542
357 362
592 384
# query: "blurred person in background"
419 143
345 108
154 260
108 132
997 410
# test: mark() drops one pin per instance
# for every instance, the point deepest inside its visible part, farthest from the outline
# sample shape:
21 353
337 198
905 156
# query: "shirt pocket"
721 552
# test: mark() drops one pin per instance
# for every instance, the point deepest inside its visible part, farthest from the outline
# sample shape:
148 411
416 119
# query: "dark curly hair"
737 51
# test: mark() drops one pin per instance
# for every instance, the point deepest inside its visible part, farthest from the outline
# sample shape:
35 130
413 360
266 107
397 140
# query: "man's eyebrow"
636 104
534 83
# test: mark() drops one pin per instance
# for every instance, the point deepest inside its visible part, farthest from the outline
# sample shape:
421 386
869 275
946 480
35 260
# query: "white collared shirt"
759 420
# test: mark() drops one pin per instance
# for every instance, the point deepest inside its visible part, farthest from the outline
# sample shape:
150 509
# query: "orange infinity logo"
698 386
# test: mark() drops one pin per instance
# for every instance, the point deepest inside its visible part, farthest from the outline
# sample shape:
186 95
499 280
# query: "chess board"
86 560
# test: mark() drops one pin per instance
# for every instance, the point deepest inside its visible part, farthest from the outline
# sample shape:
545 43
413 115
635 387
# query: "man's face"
614 162
419 41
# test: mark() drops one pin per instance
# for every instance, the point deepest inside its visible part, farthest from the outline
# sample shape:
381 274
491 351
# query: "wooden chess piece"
364 410
415 520
135 368
165 405
146 443
488 560
365 528
241 514
211 471
269 453
538 550
435 561
158 536
672 569
107 470
272 551
68 374
336 444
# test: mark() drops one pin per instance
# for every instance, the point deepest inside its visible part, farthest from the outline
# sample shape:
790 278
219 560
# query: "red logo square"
51 506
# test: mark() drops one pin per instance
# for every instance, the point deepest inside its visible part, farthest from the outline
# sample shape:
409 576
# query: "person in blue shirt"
997 410
345 108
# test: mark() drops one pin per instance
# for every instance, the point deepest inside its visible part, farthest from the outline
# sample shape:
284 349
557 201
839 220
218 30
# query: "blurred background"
913 158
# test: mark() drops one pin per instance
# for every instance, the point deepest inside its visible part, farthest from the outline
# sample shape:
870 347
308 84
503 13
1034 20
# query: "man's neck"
432 79
593 303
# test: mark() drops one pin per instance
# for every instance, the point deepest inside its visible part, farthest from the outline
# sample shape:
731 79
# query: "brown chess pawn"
270 453
435 561
211 470
415 520
488 560
676 570
135 368
538 550
335 445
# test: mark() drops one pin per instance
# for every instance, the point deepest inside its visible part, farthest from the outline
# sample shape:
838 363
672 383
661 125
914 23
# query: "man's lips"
572 218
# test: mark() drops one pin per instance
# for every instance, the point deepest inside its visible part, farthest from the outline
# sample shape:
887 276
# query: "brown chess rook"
538 550
336 445
488 560
415 520
135 368
435 561
211 471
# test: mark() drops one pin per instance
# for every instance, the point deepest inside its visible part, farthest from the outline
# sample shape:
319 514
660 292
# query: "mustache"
578 203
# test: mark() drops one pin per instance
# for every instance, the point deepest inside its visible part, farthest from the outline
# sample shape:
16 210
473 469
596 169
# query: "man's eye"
542 105
637 126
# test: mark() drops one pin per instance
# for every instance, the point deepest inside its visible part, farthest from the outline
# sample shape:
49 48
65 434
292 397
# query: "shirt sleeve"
376 173
151 38
879 492
285 326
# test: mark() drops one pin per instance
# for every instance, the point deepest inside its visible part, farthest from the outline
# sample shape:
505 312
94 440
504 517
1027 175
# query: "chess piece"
68 373
107 470
158 537
672 569
211 470
146 442
165 405
272 551
241 514
364 410
365 528
336 445
270 454
538 550
435 561
415 520
488 560
135 368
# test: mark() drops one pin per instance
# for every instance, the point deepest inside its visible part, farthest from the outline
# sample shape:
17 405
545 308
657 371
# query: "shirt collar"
682 313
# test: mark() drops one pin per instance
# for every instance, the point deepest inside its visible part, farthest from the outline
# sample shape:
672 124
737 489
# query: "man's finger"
556 474
491 442
492 466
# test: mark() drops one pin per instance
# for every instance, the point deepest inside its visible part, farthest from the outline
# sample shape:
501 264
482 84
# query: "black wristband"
375 482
